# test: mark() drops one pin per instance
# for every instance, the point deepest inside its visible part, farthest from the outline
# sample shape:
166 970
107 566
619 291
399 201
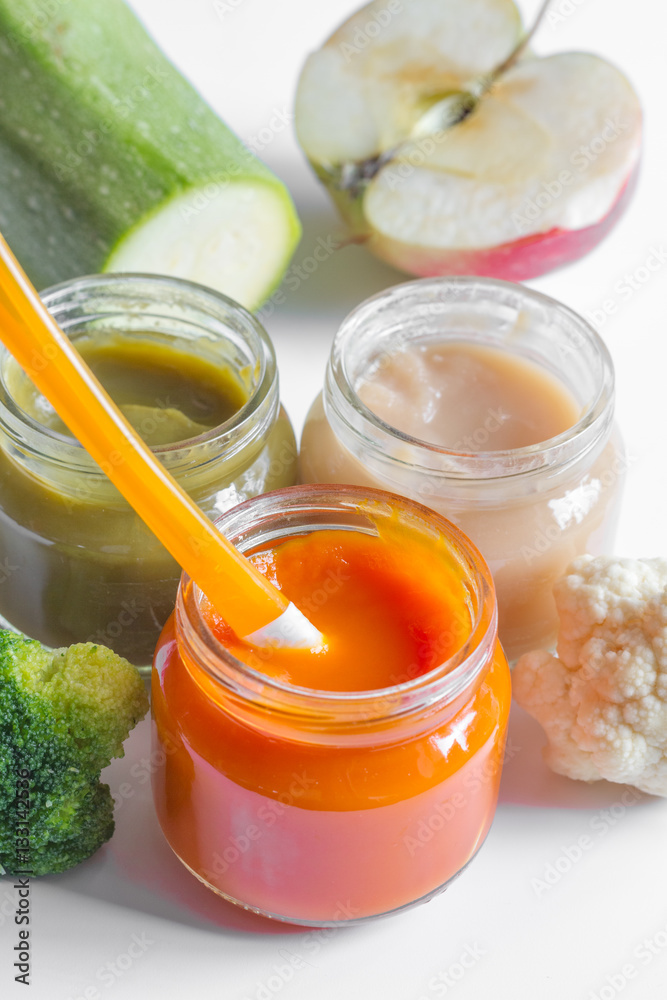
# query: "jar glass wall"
529 510
80 565
324 807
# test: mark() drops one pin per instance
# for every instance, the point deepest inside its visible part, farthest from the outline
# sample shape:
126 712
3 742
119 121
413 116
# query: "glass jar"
79 564
325 807
530 510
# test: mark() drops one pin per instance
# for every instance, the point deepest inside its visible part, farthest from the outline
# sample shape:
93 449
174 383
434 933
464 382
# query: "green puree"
79 565
166 394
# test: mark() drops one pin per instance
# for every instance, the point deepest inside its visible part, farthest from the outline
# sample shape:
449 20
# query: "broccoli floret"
64 714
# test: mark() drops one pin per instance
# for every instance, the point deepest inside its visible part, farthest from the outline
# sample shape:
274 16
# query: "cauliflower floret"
602 700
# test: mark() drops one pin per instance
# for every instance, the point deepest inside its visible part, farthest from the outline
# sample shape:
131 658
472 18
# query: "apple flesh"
533 178
518 260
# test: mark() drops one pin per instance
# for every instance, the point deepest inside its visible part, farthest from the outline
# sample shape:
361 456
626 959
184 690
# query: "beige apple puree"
491 404
468 397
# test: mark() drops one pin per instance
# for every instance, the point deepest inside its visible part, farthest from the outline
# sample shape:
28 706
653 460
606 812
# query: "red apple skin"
528 257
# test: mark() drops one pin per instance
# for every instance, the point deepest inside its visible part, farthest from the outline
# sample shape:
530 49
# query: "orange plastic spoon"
247 601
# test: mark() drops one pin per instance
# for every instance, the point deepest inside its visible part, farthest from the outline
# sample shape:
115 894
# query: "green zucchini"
111 161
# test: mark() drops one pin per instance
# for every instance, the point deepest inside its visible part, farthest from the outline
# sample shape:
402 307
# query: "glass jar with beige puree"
492 404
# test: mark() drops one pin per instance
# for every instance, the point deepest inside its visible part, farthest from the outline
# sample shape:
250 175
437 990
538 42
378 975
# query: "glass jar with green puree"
196 376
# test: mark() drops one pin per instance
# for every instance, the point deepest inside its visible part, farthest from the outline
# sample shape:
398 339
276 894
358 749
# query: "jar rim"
445 682
450 463
154 290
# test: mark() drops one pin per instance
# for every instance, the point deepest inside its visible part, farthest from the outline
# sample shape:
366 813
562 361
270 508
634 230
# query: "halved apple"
533 177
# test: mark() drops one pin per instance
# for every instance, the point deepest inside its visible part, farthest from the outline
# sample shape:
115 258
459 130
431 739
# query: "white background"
566 942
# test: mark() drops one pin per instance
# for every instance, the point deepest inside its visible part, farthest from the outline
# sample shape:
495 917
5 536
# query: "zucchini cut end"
237 238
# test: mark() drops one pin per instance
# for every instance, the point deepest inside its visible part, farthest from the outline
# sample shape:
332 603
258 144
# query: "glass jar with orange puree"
492 404
343 783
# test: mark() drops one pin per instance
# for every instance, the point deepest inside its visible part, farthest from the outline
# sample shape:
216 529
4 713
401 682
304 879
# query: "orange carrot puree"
320 826
388 612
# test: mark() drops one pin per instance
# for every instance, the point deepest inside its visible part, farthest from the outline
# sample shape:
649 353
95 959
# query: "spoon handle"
245 597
